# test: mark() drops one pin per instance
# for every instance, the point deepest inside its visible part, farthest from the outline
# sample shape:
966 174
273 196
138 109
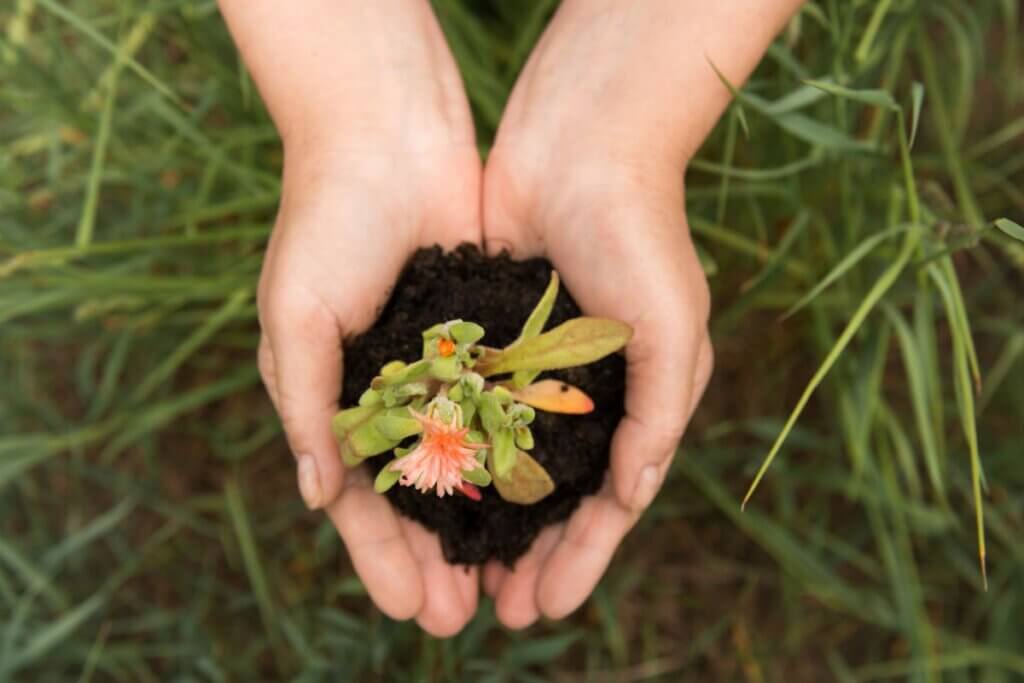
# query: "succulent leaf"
466 332
370 397
396 428
446 369
504 395
503 452
576 342
350 418
492 415
535 325
385 480
468 410
409 373
524 438
393 368
555 396
527 483
479 476
366 441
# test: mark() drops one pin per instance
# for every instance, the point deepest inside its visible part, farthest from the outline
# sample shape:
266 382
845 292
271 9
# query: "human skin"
587 170
379 159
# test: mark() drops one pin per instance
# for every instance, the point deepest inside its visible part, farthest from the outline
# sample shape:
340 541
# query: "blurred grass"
149 527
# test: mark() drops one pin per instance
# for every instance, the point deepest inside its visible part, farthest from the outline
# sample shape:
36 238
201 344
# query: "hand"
588 170
616 232
373 170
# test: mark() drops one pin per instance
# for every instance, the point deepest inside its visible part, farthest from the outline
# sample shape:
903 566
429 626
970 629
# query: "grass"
846 210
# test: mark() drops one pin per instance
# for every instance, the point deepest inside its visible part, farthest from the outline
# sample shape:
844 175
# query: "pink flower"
440 457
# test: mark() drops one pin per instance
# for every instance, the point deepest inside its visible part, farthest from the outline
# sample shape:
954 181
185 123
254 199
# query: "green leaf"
503 452
737 97
433 332
527 482
411 389
503 395
878 98
916 100
409 373
393 368
1010 228
882 285
367 441
396 427
350 418
965 405
534 325
524 438
492 415
468 411
573 343
479 476
847 263
466 333
370 397
446 369
386 478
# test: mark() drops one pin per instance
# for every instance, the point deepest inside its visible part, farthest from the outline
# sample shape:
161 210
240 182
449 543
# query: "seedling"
459 417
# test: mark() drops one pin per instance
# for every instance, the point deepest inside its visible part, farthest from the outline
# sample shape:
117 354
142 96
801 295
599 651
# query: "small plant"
464 409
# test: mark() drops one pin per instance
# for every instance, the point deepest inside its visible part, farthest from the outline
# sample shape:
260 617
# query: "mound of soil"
499 294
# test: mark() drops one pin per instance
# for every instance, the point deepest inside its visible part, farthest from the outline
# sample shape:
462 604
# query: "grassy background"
149 524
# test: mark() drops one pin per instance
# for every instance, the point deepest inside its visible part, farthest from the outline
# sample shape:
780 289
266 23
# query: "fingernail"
309 482
646 487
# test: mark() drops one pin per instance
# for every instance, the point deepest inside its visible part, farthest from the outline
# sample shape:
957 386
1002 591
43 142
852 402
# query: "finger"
377 547
517 604
583 553
494 575
305 348
449 596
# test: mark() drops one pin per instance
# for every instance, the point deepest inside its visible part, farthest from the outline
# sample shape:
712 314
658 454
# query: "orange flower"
445 347
442 454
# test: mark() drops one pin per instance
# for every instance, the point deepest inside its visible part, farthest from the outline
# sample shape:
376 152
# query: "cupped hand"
397 170
580 177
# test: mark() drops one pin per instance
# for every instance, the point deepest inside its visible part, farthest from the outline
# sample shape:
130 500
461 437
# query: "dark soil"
499 294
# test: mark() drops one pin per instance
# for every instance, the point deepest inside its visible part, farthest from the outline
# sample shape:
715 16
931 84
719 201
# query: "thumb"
301 364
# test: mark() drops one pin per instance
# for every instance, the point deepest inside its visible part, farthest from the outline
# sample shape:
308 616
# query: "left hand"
583 179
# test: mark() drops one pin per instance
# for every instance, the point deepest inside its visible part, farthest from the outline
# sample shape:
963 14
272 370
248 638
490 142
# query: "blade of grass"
874 295
845 265
85 28
159 375
87 223
965 402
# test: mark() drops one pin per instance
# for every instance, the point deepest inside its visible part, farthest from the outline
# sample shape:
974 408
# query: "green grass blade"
965 403
845 265
1010 228
85 28
874 295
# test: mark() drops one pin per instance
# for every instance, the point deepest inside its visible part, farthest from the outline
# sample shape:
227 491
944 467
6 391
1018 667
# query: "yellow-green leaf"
573 343
527 482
